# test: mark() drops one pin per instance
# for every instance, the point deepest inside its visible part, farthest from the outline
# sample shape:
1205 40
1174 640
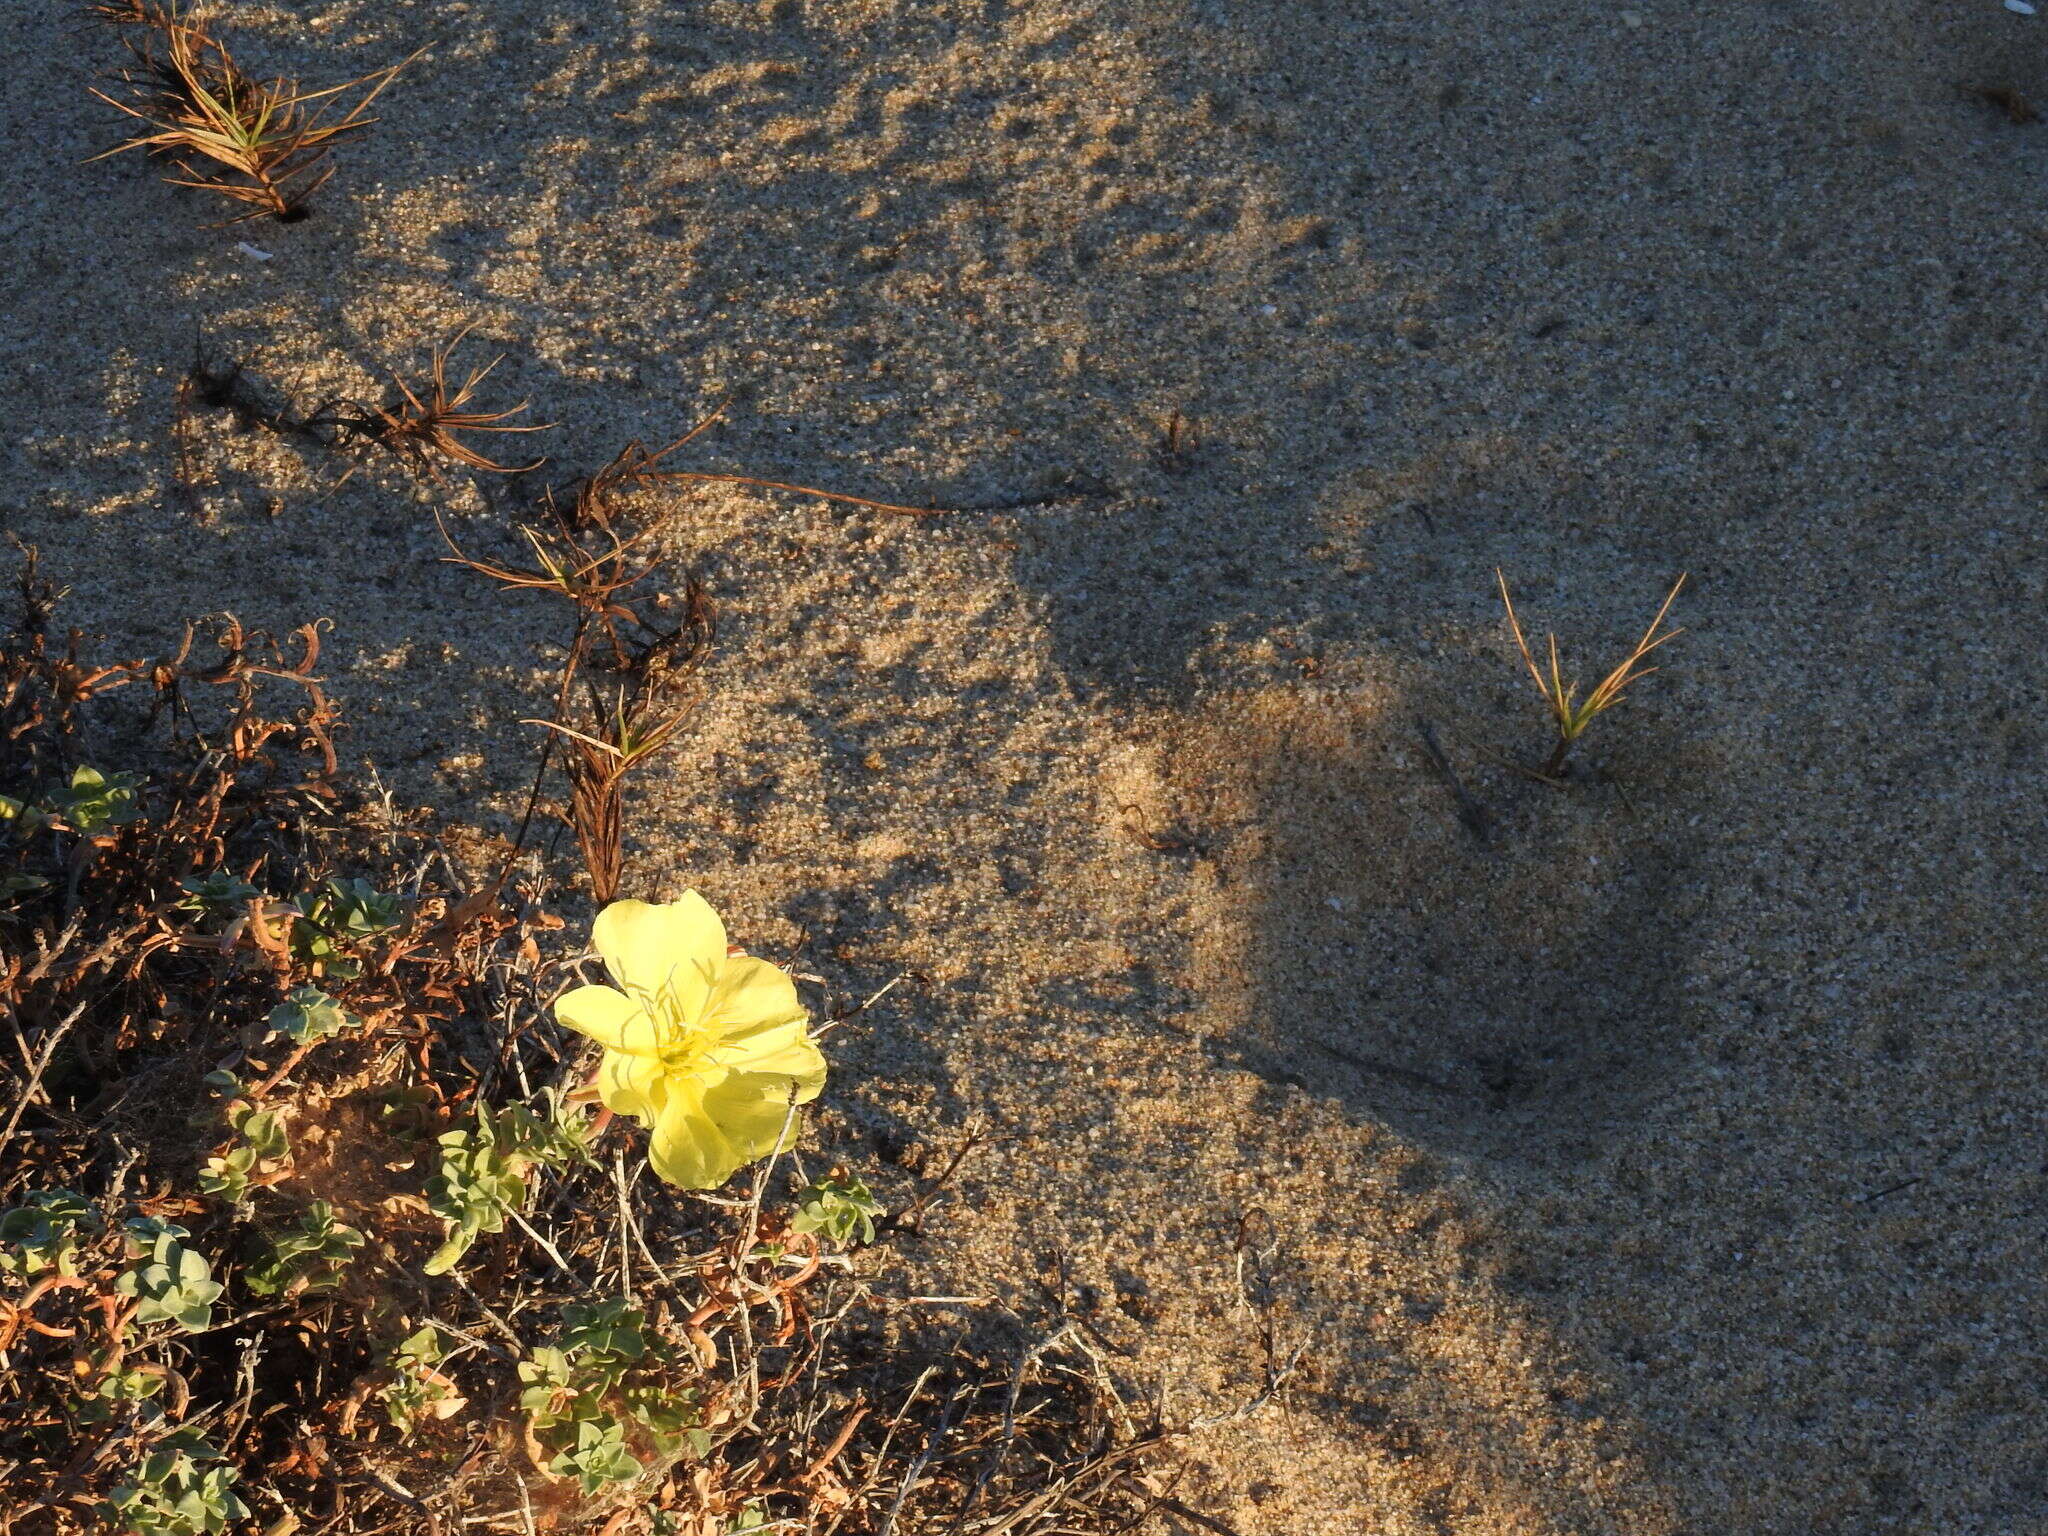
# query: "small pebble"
1631 18
249 250
2019 7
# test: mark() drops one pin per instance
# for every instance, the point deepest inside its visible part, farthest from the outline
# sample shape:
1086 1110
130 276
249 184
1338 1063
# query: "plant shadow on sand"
1511 998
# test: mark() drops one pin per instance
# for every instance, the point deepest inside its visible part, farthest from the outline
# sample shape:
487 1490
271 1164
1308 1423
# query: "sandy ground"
1671 1162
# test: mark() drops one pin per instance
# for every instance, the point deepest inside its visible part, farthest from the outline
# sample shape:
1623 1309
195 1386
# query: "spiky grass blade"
597 769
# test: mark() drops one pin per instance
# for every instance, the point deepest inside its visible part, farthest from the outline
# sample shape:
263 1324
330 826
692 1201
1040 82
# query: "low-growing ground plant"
310 1217
173 1492
309 1255
416 1390
167 1281
840 1206
259 1155
41 1236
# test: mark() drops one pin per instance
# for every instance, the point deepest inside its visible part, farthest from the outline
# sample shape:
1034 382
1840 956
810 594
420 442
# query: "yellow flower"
704 1049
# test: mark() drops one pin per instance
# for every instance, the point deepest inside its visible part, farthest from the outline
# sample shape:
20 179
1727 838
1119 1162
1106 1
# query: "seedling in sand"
1568 712
839 1205
423 425
93 801
262 145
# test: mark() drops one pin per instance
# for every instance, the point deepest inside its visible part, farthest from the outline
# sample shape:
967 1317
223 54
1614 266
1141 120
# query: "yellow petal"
750 993
666 954
750 1111
609 1017
633 1085
687 1147
785 1052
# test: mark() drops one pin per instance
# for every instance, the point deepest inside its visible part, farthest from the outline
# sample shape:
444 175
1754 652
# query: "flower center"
681 1043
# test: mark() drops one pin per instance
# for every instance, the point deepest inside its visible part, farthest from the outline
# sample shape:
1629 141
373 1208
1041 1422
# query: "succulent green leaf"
171 1494
94 801
43 1234
309 1256
307 1014
840 1206
218 893
171 1284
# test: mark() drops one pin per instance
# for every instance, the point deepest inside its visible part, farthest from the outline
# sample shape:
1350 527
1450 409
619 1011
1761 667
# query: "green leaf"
307 1013
170 1494
228 1176
840 1206
218 893
598 1458
172 1284
13 885
261 1131
607 1336
449 1254
309 1256
671 1415
482 1179
94 801
19 816
547 1383
415 1389
422 1347
45 1232
143 1232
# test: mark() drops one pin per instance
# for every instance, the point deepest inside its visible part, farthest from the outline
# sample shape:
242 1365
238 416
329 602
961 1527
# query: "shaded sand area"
1673 1160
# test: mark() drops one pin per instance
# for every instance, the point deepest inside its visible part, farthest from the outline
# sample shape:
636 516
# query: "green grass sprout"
1571 714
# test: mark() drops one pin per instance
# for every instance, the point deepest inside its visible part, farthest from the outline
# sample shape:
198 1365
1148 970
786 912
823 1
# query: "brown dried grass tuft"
262 144
1570 714
424 425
